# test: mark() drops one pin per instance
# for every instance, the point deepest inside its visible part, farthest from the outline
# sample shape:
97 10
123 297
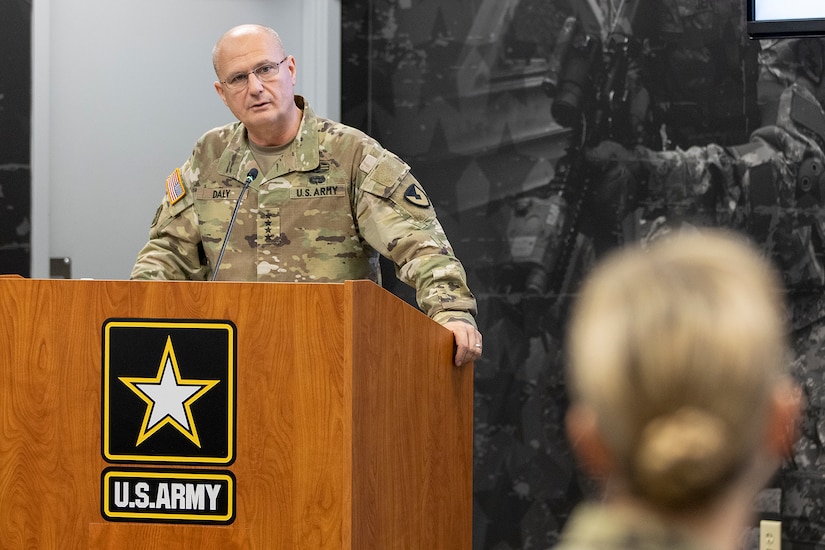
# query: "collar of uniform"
305 144
301 156
237 160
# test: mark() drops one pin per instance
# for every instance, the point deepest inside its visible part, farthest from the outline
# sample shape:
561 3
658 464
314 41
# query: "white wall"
121 91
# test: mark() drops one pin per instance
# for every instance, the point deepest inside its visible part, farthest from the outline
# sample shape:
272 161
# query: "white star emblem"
168 398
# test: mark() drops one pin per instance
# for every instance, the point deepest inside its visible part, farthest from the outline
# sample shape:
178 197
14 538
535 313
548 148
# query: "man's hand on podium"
467 341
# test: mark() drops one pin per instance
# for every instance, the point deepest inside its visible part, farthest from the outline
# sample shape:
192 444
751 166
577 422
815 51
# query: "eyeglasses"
264 73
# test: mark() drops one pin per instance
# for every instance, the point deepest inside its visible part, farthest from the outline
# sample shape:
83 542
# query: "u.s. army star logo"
168 391
168 398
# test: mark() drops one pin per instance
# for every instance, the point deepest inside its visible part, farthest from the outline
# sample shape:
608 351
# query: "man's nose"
254 83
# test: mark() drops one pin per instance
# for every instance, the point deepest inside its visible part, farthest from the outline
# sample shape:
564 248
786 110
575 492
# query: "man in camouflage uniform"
772 189
284 195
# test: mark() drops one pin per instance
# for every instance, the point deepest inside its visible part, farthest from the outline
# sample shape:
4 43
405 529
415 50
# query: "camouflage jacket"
329 205
594 527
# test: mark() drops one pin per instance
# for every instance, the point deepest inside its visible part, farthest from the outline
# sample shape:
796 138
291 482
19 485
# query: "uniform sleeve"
174 250
701 184
396 218
756 188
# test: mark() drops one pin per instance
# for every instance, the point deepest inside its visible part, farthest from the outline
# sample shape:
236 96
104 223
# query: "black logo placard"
182 496
169 391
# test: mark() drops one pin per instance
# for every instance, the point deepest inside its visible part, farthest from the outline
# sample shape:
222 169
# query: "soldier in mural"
456 89
667 74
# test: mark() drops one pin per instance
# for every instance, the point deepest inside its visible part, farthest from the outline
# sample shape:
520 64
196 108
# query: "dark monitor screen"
785 18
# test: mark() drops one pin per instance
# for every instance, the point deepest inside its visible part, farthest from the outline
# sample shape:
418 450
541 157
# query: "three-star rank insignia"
416 195
169 391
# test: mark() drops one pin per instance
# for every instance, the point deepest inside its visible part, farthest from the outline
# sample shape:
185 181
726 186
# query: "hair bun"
680 456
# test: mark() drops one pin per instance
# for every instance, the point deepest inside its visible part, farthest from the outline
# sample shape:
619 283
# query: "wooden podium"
346 424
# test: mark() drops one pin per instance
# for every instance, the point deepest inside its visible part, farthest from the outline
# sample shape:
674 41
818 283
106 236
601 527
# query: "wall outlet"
770 535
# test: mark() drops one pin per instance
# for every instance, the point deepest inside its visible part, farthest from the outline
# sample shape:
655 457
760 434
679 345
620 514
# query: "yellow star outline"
168 398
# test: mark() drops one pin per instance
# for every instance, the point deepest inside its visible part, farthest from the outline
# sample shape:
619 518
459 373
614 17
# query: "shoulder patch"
416 195
174 187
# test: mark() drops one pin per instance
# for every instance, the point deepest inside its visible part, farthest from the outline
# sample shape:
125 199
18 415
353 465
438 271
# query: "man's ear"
587 442
219 89
292 67
784 414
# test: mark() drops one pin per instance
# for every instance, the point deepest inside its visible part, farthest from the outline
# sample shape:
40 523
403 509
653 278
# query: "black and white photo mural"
15 137
548 132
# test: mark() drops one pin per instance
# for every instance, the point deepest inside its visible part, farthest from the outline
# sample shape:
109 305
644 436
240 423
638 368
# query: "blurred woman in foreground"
681 404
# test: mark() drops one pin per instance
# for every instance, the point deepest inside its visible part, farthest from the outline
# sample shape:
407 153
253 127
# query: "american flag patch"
174 187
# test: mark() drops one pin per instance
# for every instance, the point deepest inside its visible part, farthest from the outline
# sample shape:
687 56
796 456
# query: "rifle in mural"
592 83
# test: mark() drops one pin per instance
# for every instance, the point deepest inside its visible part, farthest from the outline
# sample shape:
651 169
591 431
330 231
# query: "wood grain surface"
353 428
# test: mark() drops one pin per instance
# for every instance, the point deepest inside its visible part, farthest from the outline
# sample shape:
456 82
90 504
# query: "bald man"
283 195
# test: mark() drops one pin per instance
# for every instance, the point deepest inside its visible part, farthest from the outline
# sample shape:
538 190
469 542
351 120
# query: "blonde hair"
677 350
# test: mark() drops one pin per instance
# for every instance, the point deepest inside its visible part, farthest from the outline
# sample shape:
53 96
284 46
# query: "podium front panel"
126 423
